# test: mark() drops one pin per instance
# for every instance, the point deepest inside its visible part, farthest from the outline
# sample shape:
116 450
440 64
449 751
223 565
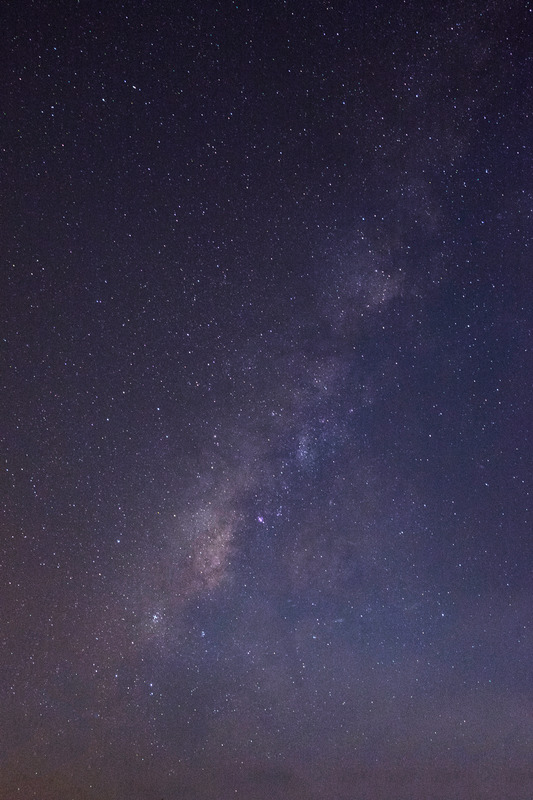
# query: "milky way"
266 521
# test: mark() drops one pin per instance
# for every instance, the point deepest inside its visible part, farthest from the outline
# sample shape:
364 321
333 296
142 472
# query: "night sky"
267 297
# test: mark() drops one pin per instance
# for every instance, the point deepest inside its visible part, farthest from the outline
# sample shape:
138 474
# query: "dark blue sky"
266 374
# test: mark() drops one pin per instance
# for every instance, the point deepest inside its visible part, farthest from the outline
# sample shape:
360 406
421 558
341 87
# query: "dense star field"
266 400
